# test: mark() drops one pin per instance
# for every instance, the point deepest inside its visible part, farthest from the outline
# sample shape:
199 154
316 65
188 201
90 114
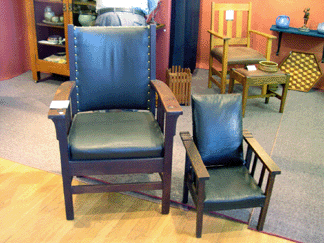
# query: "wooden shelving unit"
38 32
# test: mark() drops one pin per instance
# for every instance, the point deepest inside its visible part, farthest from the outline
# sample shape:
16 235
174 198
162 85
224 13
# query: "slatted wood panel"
179 81
242 18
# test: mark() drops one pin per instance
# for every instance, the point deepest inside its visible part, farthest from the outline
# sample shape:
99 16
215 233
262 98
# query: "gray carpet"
294 139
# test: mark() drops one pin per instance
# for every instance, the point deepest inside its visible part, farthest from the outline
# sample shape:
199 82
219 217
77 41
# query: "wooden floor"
32 210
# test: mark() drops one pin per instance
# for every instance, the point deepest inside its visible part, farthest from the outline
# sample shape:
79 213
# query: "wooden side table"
259 78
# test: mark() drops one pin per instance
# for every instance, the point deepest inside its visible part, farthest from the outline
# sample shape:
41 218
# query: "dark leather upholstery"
112 124
217 128
124 55
232 187
238 55
103 135
216 175
115 135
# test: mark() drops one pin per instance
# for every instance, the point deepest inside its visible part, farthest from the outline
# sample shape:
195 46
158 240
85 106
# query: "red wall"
264 14
14 50
163 39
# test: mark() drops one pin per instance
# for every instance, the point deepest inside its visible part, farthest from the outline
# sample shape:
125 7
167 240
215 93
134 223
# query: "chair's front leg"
170 127
268 49
61 129
168 107
68 199
200 208
224 66
210 75
264 209
185 181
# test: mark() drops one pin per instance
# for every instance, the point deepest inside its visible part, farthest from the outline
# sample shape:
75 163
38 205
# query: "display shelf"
39 30
51 25
296 31
89 3
49 1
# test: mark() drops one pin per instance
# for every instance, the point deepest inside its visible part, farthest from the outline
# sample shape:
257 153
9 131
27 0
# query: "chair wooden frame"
166 113
196 184
217 38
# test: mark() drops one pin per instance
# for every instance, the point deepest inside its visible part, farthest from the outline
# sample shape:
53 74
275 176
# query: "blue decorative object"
282 21
320 28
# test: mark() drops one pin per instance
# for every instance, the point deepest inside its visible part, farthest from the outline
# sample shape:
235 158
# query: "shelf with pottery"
49 1
84 13
87 3
282 26
47 28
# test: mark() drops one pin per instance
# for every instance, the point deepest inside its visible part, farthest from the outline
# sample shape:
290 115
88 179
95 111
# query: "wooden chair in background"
230 41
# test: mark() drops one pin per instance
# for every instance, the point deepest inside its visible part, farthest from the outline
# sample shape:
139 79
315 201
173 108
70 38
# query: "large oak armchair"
216 174
106 120
230 41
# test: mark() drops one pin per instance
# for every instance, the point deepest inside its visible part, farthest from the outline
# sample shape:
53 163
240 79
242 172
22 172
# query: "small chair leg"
210 72
250 217
244 97
231 83
199 222
262 217
185 185
268 91
283 97
185 194
223 81
200 208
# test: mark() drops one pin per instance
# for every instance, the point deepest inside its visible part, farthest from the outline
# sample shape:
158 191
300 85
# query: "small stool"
259 78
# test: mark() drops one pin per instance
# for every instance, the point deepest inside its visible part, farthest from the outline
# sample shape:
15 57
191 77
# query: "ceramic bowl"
268 66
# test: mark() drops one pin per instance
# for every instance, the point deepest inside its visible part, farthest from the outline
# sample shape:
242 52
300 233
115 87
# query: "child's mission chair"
106 119
216 174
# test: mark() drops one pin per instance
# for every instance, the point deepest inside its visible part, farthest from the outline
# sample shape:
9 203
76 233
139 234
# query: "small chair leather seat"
117 134
238 55
231 187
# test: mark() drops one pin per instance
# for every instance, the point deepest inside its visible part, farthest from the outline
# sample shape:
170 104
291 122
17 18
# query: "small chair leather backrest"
217 128
112 66
236 29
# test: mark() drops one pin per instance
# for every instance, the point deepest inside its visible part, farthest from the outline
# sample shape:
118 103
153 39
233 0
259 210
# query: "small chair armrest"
194 156
218 36
261 153
63 93
268 36
169 101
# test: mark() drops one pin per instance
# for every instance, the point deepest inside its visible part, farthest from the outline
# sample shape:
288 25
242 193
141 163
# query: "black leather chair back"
124 54
217 128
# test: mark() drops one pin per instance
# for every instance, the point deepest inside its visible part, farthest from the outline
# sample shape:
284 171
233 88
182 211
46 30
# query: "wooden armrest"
268 36
194 156
169 101
63 93
261 153
218 36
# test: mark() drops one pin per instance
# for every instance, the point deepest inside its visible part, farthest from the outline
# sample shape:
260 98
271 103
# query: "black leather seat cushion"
238 55
232 186
117 134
